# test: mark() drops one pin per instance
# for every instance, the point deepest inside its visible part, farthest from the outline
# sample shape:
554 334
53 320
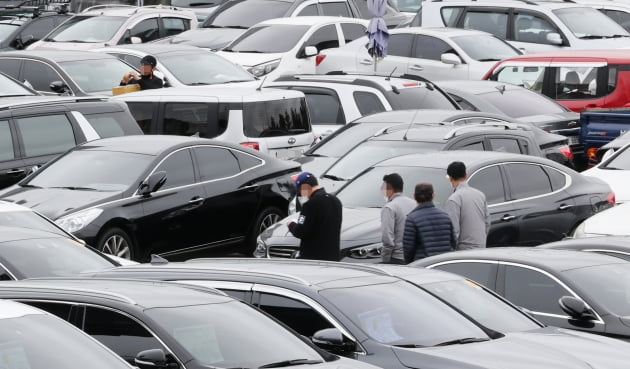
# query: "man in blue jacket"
428 230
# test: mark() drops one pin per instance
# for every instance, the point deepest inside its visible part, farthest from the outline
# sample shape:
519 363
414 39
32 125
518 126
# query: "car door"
40 75
539 292
427 62
172 213
12 167
544 211
398 56
504 226
531 32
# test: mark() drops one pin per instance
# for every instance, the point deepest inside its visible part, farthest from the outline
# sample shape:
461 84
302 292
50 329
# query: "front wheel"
264 220
117 242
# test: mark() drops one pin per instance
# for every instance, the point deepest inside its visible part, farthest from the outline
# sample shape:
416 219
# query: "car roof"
222 91
600 243
425 115
41 100
440 31
613 56
441 159
8 234
155 49
376 81
548 259
528 4
58 56
127 11
146 294
442 133
477 87
311 20
149 144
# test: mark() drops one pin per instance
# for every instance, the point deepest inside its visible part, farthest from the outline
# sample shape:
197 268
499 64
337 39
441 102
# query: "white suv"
529 25
272 121
94 28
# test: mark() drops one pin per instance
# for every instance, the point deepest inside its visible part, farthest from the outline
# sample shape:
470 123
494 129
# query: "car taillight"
591 153
319 59
566 151
253 145
611 198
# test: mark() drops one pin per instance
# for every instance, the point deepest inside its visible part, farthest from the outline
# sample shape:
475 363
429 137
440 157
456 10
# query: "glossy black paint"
193 216
617 246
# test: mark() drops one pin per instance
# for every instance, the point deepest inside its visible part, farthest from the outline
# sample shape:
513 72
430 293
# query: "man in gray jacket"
393 217
467 208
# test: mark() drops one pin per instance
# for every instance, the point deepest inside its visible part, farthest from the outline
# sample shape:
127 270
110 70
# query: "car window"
575 82
39 75
216 163
275 118
11 67
585 22
324 38
246 161
400 44
619 16
187 119
487 21
533 290
245 14
173 26
324 108
432 48
61 310
517 103
352 31
477 145
96 75
146 30
338 9
112 124
450 15
309 11
37 28
87 28
123 335
203 67
463 103
45 135
132 59
506 145
142 112
420 97
485 47
482 273
531 28
558 179
274 38
527 180
6 141
4 274
179 169
296 314
368 103
530 77
489 181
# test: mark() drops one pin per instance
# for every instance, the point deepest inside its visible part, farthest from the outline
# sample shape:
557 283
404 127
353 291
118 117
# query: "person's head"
306 183
147 65
456 172
392 183
423 192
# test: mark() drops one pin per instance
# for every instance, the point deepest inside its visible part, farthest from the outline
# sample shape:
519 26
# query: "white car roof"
129 11
529 4
11 309
440 31
223 92
312 21
6 206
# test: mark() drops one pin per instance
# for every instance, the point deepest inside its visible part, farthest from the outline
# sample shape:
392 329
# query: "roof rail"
403 75
402 126
52 101
452 133
54 290
107 6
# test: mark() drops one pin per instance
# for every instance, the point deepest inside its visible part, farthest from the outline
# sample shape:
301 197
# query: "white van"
273 121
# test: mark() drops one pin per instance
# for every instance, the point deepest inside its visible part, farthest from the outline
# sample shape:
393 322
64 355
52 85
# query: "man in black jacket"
147 80
319 224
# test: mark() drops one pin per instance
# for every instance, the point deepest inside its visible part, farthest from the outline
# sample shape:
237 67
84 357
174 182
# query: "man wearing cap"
147 80
319 225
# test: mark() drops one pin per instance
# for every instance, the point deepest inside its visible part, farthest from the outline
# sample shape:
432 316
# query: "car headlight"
262 69
261 248
371 251
77 221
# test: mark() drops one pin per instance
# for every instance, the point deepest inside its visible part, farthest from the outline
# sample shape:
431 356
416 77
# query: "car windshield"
50 257
93 170
30 220
345 138
608 285
408 6
517 103
619 161
216 335
7 28
203 68
481 305
44 341
8 87
96 75
419 98
276 38
371 152
485 47
364 191
246 13
83 28
399 313
589 23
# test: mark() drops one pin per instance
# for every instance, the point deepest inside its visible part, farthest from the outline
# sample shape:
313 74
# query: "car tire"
265 218
115 241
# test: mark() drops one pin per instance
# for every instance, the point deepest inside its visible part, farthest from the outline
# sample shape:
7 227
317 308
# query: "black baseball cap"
149 60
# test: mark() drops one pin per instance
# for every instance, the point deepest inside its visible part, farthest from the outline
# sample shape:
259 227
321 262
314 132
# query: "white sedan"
290 45
615 170
432 53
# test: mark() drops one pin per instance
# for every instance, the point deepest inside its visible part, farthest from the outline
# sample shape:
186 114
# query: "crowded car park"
251 184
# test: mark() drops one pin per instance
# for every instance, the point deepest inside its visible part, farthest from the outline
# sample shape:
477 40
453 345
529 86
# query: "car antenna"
261 83
158 260
392 73
388 78
410 124
501 88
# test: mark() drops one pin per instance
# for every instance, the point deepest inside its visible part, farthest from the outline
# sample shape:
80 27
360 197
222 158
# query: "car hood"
213 38
616 179
250 59
550 119
315 164
57 202
543 348
74 46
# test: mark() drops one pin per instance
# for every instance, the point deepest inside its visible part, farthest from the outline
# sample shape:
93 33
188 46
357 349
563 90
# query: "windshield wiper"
488 59
280 364
611 168
333 177
198 84
29 185
410 345
250 51
591 37
618 36
76 188
462 341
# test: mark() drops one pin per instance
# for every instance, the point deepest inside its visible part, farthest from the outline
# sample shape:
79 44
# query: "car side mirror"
153 183
332 340
576 308
59 87
450 58
152 359
310 51
554 38
135 40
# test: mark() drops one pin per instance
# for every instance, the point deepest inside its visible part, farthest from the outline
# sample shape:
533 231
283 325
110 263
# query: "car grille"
286 252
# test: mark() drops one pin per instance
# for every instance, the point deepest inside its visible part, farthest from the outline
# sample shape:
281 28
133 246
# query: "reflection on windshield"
276 38
485 48
589 23
203 67
244 14
96 75
343 139
228 335
29 220
87 29
609 285
399 313
517 103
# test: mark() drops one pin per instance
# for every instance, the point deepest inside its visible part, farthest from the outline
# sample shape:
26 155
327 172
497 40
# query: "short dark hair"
149 60
395 181
423 192
456 170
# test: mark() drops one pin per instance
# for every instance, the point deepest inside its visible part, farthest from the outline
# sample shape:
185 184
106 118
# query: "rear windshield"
419 98
275 118
113 124
520 103
244 14
276 38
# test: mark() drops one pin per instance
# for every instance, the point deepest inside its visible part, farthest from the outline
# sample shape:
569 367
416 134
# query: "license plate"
287 154
573 140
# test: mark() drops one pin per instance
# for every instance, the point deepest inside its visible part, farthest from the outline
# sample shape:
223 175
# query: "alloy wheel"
117 245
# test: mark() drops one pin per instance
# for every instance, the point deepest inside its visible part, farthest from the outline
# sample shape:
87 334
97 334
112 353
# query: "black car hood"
545 348
56 202
212 38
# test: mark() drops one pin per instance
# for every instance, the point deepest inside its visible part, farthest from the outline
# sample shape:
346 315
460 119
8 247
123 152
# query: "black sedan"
569 289
618 246
531 200
139 195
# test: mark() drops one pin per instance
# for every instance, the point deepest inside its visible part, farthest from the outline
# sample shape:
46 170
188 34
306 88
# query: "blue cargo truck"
599 127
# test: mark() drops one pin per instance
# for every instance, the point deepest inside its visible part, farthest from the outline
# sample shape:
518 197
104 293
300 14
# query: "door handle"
507 217
366 62
196 200
15 171
564 207
417 67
